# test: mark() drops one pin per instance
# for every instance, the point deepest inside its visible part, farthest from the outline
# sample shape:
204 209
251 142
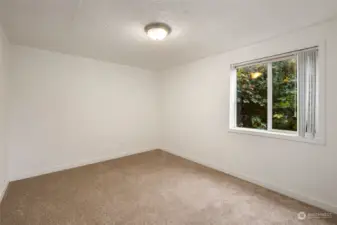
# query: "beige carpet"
150 188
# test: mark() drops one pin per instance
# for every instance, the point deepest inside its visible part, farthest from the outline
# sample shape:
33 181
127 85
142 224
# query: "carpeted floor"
149 188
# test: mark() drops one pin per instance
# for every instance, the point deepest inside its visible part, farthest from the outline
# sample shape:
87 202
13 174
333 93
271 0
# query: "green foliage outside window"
285 95
252 96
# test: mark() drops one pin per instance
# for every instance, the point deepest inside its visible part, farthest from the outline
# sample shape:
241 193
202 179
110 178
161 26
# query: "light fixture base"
157 31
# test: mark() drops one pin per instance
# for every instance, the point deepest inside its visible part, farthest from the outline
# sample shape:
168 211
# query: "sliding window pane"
285 95
252 96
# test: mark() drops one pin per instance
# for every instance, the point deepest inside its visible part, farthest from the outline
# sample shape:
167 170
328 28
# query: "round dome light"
157 31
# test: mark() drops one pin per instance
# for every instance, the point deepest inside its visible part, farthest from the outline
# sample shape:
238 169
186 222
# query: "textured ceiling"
112 30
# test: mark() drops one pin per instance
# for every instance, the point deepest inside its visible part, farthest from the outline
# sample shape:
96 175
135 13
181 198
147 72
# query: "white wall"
3 73
196 116
67 111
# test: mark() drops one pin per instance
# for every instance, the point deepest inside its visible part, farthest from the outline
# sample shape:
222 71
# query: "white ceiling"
112 30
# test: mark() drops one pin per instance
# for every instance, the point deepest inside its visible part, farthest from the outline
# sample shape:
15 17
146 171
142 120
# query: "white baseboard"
3 192
322 205
71 166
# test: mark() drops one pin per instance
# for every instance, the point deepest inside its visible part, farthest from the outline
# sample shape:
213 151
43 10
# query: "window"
276 95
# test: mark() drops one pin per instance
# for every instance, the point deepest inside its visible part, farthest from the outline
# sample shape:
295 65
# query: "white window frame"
281 134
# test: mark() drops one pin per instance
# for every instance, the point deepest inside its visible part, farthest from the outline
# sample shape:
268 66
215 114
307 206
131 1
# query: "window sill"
271 134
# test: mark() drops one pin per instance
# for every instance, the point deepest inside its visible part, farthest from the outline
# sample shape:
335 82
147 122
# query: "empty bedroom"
180 112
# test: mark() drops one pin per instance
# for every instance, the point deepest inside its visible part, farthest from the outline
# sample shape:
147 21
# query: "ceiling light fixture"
157 31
